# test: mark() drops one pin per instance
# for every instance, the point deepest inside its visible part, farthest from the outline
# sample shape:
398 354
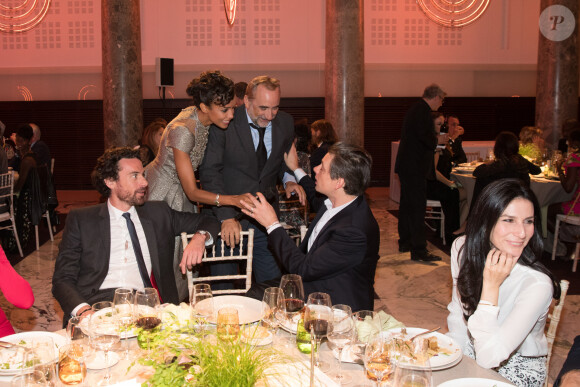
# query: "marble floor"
415 293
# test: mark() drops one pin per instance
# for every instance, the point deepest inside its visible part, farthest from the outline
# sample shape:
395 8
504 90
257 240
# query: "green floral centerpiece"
530 151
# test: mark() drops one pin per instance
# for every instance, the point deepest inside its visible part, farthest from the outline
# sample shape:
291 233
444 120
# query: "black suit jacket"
418 142
83 259
42 152
230 164
343 259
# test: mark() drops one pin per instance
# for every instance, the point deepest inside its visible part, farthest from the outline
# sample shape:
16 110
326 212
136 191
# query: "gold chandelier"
453 13
24 16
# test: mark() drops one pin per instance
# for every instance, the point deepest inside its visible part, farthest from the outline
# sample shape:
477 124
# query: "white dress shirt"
324 219
516 324
123 267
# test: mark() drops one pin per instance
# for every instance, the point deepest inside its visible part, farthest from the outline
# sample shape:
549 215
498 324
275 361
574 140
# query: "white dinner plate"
291 326
129 334
25 339
97 360
440 361
463 171
249 309
474 382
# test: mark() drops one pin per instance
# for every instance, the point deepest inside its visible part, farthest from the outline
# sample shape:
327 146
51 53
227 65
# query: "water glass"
123 307
31 379
202 304
42 357
341 336
380 360
228 324
273 309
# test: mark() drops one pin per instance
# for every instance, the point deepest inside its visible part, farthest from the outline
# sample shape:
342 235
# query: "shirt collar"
118 214
328 205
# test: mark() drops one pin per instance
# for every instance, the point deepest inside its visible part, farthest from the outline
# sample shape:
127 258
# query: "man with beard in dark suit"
414 165
125 242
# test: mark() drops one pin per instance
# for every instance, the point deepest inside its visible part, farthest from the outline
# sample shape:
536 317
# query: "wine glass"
273 309
146 312
293 289
367 324
318 322
379 359
41 356
72 368
202 309
104 333
123 305
413 370
228 324
30 379
341 336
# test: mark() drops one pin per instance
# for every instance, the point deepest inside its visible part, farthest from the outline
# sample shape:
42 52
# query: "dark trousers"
449 199
412 213
572 361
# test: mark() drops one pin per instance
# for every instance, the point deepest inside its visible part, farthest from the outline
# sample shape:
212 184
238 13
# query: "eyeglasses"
442 98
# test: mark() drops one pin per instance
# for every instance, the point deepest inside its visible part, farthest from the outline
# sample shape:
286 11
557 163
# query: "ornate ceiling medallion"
453 13
22 17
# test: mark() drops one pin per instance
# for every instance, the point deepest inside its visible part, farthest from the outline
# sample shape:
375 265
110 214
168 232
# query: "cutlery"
424 333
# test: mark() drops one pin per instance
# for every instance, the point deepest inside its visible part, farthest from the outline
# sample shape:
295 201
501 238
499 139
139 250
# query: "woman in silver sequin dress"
171 175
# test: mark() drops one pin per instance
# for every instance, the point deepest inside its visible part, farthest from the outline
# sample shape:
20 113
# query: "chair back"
245 252
554 320
7 206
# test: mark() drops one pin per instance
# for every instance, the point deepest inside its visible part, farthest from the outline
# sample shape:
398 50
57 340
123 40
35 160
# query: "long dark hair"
491 203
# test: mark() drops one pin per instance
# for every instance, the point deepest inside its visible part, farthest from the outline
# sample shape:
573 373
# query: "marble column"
344 71
557 79
122 72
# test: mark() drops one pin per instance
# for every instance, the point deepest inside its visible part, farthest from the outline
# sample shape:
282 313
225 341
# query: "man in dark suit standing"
340 251
414 165
125 242
39 147
249 157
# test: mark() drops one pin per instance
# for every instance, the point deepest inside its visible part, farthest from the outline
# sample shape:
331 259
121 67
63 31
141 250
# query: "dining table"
125 371
548 190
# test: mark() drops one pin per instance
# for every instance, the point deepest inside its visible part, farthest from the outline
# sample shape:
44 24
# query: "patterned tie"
137 249
261 152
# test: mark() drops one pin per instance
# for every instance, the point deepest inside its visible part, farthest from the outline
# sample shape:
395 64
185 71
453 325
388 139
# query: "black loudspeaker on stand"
163 75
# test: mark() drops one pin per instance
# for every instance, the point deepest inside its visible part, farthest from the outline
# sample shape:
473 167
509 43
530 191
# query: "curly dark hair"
211 87
492 202
108 167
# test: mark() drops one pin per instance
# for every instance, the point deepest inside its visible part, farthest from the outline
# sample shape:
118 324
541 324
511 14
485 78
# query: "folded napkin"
380 322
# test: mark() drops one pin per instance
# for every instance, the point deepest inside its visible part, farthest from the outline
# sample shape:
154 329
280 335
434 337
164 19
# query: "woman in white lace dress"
171 175
501 292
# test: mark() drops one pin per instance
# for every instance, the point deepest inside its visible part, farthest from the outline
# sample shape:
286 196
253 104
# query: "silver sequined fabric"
187 134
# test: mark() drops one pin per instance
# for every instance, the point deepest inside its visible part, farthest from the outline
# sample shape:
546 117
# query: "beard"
136 198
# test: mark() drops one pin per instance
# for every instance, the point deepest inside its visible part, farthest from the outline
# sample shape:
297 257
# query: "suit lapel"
245 135
149 230
105 232
346 212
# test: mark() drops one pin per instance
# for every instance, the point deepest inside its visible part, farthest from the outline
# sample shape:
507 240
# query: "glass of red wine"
318 318
147 313
293 289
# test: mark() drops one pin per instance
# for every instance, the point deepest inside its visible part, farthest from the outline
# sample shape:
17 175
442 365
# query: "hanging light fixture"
24 16
230 7
453 13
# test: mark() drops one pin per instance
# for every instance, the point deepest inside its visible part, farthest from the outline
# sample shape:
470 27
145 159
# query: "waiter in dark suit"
125 242
414 165
340 251
249 157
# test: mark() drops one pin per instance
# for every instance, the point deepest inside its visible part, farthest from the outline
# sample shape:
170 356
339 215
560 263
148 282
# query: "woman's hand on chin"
498 266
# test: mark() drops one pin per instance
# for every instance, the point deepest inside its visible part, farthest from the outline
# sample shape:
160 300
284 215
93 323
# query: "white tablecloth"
468 146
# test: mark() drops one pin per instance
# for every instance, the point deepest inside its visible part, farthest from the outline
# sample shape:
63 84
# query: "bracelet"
485 303
217 200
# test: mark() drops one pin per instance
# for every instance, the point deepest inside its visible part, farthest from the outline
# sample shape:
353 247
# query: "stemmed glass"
202 309
318 319
367 324
293 289
123 302
341 336
30 379
414 370
273 309
379 359
104 333
146 311
42 357
72 357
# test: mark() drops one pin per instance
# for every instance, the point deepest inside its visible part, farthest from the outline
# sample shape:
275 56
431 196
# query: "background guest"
16 290
39 147
456 132
323 136
171 175
568 127
501 291
149 145
28 159
508 163
3 156
239 92
443 188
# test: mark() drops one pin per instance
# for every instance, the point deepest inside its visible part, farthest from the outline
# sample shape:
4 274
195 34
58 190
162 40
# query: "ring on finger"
493 264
